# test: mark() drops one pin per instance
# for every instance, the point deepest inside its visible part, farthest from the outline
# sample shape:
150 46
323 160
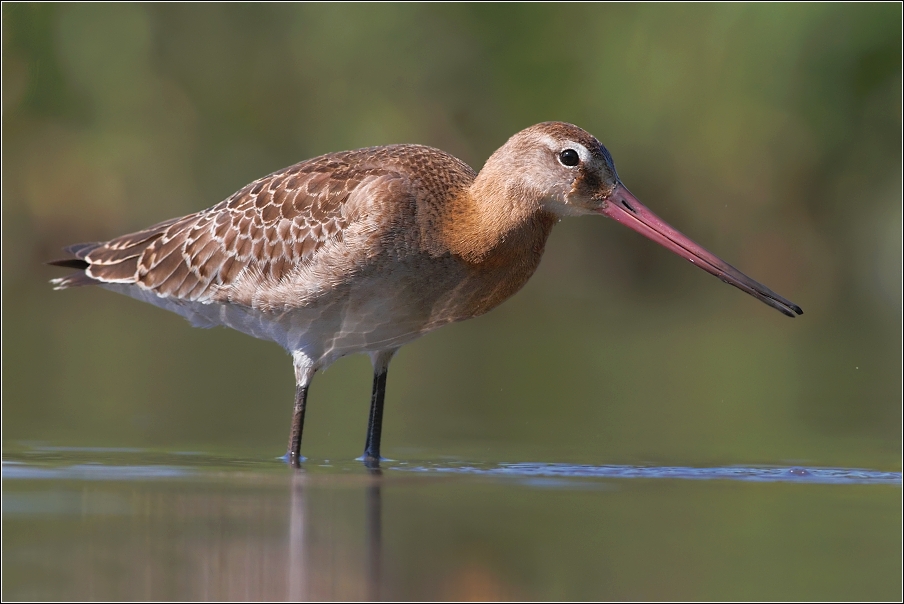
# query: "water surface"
133 524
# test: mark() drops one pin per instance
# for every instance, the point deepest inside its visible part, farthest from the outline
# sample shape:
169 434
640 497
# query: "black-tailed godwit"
367 250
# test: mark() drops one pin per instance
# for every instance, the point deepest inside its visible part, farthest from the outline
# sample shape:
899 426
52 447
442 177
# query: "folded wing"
270 226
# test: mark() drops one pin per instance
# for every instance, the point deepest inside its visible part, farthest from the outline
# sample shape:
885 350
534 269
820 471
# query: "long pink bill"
623 207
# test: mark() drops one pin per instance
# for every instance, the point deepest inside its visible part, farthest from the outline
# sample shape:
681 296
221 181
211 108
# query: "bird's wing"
270 226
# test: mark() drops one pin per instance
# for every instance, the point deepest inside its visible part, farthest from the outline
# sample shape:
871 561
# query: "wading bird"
367 250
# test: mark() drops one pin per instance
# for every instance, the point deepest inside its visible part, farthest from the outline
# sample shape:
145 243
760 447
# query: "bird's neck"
493 217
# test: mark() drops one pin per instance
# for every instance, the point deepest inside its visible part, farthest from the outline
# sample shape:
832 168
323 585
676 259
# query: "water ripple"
91 465
22 471
742 473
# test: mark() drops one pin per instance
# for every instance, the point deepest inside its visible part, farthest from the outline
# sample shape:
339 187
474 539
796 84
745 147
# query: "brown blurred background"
769 134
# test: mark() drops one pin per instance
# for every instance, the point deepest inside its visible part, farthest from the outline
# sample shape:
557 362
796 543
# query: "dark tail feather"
70 263
79 250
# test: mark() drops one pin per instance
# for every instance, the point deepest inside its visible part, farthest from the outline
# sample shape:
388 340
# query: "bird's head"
558 166
564 170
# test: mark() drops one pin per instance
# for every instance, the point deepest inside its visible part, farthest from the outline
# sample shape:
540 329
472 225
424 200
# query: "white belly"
374 314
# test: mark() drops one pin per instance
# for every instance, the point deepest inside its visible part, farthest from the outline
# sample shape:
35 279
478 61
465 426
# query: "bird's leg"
301 397
304 371
375 421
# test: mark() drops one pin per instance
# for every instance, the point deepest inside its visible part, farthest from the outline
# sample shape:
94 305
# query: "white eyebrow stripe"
557 146
581 149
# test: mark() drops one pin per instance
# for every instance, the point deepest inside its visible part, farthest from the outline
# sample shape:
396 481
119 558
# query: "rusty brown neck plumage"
495 219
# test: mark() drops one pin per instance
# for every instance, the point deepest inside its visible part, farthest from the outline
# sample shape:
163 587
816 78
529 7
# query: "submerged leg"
304 371
375 421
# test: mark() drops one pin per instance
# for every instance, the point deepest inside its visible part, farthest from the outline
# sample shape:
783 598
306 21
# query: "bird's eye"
569 157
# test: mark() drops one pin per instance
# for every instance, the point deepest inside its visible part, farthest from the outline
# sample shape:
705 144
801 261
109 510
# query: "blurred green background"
769 134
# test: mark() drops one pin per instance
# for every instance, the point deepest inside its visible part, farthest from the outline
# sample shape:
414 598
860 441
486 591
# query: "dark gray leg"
304 371
301 398
375 421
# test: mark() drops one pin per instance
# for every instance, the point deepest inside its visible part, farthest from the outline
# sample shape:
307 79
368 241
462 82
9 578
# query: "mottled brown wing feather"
272 224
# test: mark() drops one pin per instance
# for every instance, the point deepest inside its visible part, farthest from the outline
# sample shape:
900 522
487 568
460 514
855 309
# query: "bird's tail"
79 250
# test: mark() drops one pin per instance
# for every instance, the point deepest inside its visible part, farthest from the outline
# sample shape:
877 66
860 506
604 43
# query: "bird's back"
274 225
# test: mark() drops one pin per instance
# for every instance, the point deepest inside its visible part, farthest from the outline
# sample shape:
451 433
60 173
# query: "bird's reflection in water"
313 539
374 531
298 567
